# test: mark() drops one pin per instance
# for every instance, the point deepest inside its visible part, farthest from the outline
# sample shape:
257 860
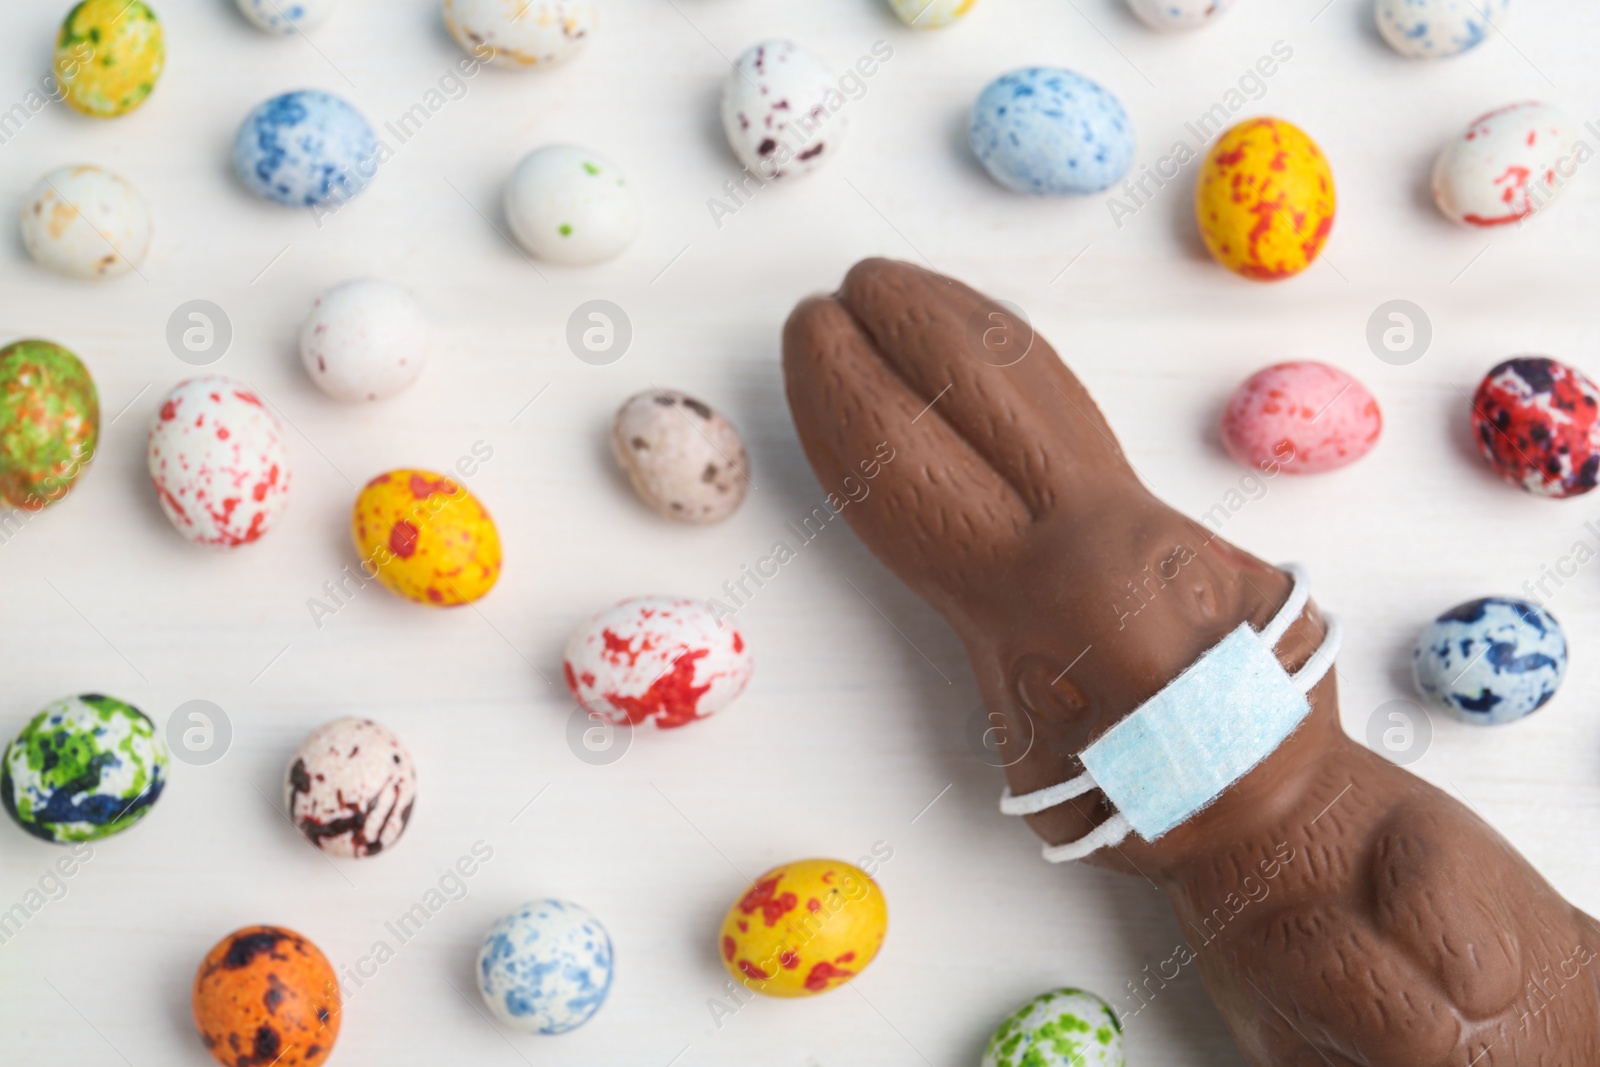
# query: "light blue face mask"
1178 751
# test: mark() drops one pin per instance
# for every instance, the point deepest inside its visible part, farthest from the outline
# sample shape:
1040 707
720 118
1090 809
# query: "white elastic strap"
1043 799
1322 659
1299 596
1109 833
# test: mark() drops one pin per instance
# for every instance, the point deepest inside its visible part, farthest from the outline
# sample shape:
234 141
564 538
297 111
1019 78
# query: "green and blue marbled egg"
85 768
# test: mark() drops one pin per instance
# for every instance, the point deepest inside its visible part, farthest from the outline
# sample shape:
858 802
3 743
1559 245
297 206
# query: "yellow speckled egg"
109 54
1265 200
425 537
804 928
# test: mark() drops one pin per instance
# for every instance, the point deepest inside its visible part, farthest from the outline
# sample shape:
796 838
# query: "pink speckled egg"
218 463
657 659
1300 418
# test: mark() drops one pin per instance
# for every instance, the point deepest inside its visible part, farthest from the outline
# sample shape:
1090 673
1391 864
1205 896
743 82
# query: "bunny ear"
1009 395
935 512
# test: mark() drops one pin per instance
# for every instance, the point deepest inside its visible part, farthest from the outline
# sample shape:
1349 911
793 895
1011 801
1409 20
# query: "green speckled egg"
1061 1028
49 423
85 768
109 54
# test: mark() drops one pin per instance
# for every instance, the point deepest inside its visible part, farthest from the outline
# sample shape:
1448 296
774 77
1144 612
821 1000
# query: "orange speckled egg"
804 928
266 995
1265 200
425 537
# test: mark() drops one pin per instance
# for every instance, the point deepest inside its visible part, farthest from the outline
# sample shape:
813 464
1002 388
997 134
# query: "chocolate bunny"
1387 925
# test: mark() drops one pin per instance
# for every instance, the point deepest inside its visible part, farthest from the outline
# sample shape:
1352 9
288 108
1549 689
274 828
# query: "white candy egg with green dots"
569 205
1061 1028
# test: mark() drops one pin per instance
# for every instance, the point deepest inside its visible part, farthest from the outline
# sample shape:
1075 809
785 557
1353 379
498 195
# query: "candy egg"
520 33
1061 1028
1300 418
426 538
545 968
1051 132
1490 661
364 340
266 995
685 460
782 110
1265 200
931 14
49 423
286 16
350 788
217 460
86 222
85 768
1170 15
568 205
1509 164
109 55
804 928
657 659
1535 421
305 149
1435 29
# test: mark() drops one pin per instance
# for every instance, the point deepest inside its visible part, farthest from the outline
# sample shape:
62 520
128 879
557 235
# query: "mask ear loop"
1306 678
1044 799
1107 834
1299 597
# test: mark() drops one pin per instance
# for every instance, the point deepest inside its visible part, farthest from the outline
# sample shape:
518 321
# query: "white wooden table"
853 731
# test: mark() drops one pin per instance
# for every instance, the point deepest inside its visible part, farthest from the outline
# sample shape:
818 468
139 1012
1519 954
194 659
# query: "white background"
855 721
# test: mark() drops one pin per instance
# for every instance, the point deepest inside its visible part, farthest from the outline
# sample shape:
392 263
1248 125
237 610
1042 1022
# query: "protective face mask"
1210 726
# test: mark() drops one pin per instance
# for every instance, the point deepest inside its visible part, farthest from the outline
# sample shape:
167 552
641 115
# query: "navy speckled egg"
306 149
1491 661
1051 132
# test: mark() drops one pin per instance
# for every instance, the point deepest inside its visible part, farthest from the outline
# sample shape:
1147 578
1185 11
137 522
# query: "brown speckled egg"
687 461
265 995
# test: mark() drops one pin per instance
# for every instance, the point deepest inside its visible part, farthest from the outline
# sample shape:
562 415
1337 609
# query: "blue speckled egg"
1051 132
546 967
1170 15
285 17
1491 661
1435 29
306 149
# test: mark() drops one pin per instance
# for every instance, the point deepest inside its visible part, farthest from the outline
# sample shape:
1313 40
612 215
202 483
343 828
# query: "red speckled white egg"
1300 418
1508 164
658 659
218 463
